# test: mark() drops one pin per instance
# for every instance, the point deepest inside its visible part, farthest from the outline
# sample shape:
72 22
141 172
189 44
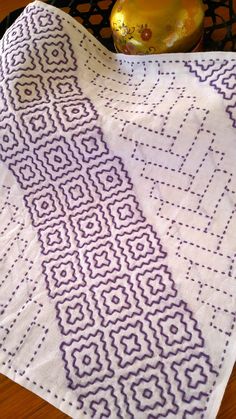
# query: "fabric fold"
118 174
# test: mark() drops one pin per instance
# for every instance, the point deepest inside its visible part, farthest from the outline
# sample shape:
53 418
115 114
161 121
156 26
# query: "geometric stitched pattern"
27 172
29 91
74 314
56 157
17 35
90 226
19 60
191 372
42 22
87 362
102 403
63 274
44 205
74 114
54 237
55 53
124 214
130 346
76 191
62 87
156 284
38 123
90 144
150 391
115 299
173 329
101 259
12 140
107 179
140 247
222 78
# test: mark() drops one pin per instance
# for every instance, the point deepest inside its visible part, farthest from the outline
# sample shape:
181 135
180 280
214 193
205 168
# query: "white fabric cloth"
117 223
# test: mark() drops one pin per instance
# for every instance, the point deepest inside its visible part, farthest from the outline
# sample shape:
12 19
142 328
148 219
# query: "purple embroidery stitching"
104 266
222 78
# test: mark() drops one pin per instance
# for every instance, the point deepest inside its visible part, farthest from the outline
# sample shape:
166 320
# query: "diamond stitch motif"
76 191
54 237
74 114
63 274
110 178
101 259
38 123
19 32
57 158
83 370
124 212
131 344
115 299
102 404
142 388
225 83
173 329
26 91
140 247
221 77
192 372
195 376
205 70
27 172
90 226
55 53
19 59
44 205
66 86
90 144
74 314
156 284
102 401
12 142
43 21
150 391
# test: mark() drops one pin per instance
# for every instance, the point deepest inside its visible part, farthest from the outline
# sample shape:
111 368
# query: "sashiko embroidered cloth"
117 223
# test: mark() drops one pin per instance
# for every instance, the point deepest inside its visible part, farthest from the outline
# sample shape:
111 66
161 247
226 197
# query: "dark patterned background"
220 21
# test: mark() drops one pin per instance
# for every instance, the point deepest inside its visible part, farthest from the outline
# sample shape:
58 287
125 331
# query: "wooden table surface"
17 402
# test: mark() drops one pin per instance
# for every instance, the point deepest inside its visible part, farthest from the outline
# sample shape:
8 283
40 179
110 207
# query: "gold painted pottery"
156 26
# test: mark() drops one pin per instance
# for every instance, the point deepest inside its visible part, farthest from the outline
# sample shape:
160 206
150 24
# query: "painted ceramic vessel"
156 26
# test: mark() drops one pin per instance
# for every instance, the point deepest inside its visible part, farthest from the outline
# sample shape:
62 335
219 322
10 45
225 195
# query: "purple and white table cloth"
117 223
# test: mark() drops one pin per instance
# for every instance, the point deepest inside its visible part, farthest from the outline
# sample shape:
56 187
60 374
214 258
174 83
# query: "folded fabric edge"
63 405
219 391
